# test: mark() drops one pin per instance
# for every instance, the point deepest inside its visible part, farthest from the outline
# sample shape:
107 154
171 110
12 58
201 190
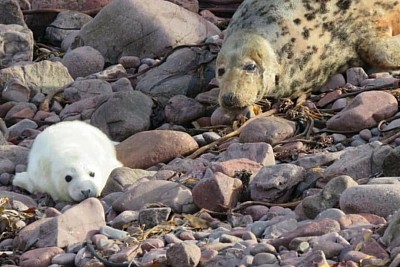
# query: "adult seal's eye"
91 174
68 178
221 71
250 67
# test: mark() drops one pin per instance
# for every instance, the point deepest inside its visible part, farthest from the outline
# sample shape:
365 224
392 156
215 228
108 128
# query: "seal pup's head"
246 69
79 179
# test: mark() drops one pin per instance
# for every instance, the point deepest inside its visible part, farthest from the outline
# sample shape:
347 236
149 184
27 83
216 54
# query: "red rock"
219 193
40 257
147 148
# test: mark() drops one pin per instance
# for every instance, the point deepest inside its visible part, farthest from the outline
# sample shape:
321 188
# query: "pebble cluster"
255 199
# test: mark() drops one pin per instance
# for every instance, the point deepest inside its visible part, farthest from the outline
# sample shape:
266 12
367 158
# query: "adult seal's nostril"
86 193
229 100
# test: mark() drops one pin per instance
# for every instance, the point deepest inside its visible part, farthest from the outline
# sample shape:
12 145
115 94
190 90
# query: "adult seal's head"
246 70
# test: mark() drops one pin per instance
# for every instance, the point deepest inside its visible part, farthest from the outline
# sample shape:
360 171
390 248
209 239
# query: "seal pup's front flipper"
23 180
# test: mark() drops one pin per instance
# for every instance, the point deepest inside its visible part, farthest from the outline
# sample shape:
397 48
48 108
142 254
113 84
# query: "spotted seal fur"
283 48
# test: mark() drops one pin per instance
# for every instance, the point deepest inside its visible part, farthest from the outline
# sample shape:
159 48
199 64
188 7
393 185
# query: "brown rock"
270 130
145 149
74 225
258 152
218 193
366 110
313 228
40 257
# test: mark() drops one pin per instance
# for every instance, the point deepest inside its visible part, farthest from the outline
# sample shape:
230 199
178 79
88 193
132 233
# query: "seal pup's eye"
221 71
250 67
91 174
68 178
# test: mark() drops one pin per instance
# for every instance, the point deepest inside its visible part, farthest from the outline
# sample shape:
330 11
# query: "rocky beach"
312 181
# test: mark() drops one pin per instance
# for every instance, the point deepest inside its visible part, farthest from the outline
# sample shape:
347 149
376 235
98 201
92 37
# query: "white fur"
72 148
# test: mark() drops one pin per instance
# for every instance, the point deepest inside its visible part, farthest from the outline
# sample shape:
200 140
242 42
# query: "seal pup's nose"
86 193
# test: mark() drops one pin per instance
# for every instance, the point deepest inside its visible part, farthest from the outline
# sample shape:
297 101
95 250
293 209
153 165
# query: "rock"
183 73
16 45
83 61
356 76
219 193
39 257
258 152
122 84
81 89
148 37
365 111
10 13
15 90
113 233
16 154
83 109
17 129
53 76
21 110
173 195
390 165
147 148
276 183
123 115
314 258
235 167
361 162
328 197
64 259
270 130
380 199
65 20
391 237
184 254
312 228
182 109
16 199
150 217
121 177
68 228
124 218
129 61
334 82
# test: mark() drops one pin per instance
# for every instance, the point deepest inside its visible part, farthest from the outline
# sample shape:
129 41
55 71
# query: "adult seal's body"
70 161
283 48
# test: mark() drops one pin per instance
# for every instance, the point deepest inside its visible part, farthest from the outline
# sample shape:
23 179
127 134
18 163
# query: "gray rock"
358 162
380 199
122 84
356 75
276 183
270 130
277 229
16 44
17 154
258 152
15 90
65 20
317 159
83 61
10 13
123 115
53 76
328 197
150 217
184 254
182 109
390 165
264 258
17 129
83 109
173 195
113 233
81 89
148 37
121 177
391 236
184 73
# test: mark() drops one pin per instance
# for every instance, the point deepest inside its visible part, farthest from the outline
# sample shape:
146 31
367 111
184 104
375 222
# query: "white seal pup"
70 161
